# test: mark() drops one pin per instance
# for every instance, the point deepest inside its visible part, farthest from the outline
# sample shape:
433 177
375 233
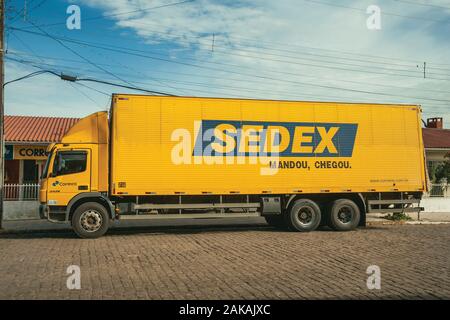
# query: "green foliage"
398 217
441 173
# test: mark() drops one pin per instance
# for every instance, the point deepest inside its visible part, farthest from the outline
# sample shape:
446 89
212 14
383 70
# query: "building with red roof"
436 141
26 141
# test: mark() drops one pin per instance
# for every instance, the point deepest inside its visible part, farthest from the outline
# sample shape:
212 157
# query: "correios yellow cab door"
70 175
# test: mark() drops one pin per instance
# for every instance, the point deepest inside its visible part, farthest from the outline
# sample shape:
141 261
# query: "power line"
23 43
84 94
319 97
181 38
329 87
136 71
259 41
124 86
138 10
122 13
331 67
272 48
342 80
222 77
19 13
79 55
409 97
383 12
422 4
93 89
22 11
127 51
121 49
75 79
25 77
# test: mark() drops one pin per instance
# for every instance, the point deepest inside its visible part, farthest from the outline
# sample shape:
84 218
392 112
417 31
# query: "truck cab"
76 171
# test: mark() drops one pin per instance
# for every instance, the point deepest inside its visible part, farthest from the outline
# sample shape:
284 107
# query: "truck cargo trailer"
298 164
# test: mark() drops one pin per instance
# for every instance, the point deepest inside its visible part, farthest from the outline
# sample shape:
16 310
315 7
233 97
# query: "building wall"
20 210
436 155
436 204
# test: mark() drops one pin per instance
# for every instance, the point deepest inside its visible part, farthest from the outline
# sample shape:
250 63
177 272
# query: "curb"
390 222
427 222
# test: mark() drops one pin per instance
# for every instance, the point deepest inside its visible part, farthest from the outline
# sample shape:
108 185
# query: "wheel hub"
305 215
345 215
91 220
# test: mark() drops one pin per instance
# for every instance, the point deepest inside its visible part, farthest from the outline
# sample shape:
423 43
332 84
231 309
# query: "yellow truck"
298 164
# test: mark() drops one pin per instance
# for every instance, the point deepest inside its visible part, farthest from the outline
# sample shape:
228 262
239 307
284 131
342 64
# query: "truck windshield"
47 164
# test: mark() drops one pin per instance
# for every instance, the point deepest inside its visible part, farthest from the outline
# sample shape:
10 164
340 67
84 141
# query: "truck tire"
276 221
90 220
304 215
344 215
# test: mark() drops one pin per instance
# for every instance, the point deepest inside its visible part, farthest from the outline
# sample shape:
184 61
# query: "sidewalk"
425 218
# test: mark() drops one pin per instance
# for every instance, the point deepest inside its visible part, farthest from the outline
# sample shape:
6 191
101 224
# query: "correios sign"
29 152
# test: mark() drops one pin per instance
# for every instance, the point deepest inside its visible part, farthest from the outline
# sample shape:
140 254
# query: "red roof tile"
36 129
436 138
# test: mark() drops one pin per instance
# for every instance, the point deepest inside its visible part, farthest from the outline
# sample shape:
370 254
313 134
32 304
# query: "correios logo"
64 184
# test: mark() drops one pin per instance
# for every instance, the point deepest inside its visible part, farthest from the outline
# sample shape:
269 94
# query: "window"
47 164
30 171
69 162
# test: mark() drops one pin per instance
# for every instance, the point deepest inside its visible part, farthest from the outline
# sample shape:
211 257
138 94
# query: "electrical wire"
202 39
79 55
242 88
422 4
121 13
383 12
124 50
259 41
222 78
75 79
247 74
33 74
84 94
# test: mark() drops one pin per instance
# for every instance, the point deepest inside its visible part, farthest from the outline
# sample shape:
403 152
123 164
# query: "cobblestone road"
228 262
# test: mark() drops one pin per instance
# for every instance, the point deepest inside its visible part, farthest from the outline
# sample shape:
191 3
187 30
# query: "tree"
442 172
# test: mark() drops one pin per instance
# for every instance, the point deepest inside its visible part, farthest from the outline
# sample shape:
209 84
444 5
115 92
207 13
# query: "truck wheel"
90 220
304 215
344 215
276 221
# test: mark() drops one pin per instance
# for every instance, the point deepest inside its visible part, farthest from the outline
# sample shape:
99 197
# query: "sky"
315 50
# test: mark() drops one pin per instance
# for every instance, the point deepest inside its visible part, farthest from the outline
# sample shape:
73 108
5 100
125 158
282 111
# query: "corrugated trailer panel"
374 147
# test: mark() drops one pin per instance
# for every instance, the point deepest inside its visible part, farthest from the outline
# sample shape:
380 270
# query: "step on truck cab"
298 164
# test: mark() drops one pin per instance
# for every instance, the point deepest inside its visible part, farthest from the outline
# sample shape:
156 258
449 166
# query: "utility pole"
2 100
424 69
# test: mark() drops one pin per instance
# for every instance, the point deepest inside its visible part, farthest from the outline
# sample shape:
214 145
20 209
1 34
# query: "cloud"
289 49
